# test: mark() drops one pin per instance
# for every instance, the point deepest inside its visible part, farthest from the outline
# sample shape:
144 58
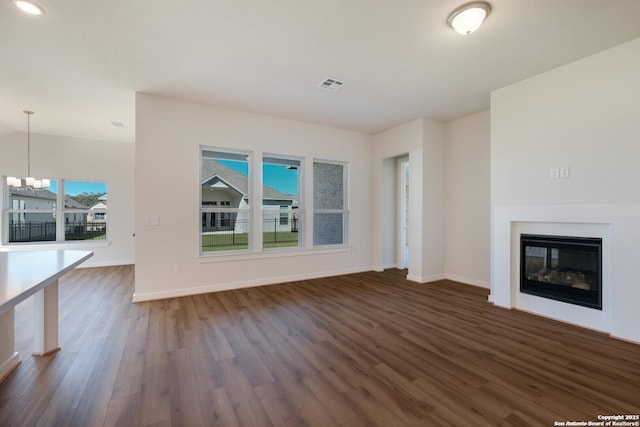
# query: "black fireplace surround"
561 268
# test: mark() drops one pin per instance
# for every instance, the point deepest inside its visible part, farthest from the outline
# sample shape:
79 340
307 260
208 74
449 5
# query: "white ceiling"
79 65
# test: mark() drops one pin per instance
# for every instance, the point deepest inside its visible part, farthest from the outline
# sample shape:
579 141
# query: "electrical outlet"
564 172
176 269
555 173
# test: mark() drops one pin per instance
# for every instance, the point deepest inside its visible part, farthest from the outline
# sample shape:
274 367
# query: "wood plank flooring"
368 349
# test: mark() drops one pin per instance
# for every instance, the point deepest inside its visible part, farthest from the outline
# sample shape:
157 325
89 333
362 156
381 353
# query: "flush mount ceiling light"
468 17
28 7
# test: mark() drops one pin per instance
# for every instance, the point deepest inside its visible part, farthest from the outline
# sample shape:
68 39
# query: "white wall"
168 136
585 115
423 140
388 186
59 157
388 145
467 199
433 201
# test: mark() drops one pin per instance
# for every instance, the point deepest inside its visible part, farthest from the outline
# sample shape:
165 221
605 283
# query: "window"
230 223
224 201
66 211
85 210
329 203
284 216
280 202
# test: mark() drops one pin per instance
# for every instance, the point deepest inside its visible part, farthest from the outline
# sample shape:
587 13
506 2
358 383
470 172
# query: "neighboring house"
97 212
29 225
75 222
223 187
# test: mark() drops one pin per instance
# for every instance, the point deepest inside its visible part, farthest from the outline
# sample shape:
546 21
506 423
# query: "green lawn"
239 241
88 235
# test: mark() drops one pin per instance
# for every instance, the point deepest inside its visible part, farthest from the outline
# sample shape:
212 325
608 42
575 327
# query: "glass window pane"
84 195
224 192
328 229
280 227
29 226
225 231
24 197
280 201
225 179
78 227
88 201
32 227
328 186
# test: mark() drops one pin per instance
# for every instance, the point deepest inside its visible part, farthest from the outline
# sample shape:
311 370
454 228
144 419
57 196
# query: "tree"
87 199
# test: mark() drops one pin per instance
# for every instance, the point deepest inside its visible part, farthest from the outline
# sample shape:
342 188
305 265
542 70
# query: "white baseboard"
468 281
629 340
9 365
383 267
195 290
425 279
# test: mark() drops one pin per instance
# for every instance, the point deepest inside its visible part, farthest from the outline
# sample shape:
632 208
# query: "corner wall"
467 199
423 140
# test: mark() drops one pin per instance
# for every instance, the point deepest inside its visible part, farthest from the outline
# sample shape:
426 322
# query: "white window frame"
255 210
345 204
300 211
220 210
58 212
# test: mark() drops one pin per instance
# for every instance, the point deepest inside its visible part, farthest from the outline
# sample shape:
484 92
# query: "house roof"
44 194
71 203
33 193
212 169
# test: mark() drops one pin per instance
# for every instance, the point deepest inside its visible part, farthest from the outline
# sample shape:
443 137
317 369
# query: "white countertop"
23 273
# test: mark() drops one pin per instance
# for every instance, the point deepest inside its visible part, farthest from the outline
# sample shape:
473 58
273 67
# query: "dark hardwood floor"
367 349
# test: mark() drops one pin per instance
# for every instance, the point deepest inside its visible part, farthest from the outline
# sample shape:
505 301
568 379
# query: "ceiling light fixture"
28 7
468 17
30 181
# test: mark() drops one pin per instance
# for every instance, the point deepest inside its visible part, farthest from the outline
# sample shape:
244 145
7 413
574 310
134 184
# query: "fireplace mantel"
619 227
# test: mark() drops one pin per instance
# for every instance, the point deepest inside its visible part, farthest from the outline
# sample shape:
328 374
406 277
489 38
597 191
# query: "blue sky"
275 176
73 188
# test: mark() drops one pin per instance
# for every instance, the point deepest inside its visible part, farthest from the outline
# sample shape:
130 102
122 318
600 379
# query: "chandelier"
30 182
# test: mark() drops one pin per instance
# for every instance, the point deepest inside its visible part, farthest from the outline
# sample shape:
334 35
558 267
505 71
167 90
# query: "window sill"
82 244
207 258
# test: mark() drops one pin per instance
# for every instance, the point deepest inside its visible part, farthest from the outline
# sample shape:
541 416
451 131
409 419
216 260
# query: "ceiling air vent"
331 85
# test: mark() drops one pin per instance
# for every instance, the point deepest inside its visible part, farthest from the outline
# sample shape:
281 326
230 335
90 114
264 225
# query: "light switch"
152 220
564 172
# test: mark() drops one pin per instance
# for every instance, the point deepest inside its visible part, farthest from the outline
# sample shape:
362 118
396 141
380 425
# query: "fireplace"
567 269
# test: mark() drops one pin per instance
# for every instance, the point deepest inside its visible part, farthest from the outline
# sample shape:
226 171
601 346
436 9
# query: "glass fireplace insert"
567 269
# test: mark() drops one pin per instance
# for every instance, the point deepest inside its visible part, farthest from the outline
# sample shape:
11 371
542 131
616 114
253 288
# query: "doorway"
403 212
